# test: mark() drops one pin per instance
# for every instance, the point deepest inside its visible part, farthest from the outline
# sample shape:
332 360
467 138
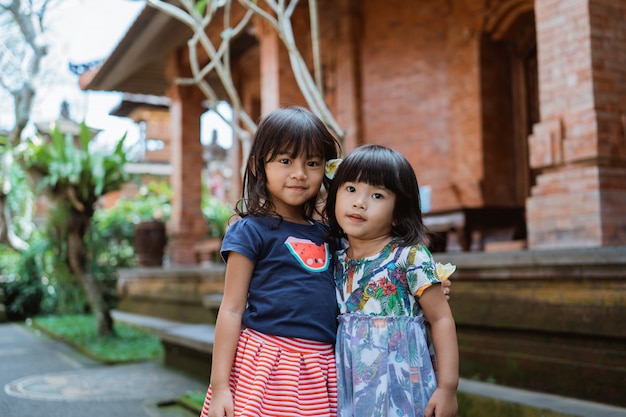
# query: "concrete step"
187 347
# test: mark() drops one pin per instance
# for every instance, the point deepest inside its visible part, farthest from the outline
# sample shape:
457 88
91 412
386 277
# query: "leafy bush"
22 283
152 202
217 214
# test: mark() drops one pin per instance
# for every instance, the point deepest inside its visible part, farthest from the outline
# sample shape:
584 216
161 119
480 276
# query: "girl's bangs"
373 174
299 145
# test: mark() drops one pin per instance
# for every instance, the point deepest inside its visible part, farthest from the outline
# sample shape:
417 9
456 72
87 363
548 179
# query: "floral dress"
385 364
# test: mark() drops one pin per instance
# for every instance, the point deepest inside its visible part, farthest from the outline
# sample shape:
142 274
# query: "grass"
193 400
129 344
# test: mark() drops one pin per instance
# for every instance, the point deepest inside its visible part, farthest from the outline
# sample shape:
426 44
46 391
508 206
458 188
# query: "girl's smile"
292 181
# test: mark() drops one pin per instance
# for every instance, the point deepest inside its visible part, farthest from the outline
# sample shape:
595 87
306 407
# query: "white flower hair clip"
330 169
444 271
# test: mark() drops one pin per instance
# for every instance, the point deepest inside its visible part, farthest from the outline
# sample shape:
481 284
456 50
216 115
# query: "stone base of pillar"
577 207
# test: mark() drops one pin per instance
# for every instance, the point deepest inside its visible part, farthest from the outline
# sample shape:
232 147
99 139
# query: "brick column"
465 122
278 83
579 148
348 77
187 224
269 46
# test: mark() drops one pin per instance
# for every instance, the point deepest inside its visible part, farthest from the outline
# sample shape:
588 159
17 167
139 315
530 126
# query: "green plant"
110 238
217 214
21 202
76 177
66 168
152 202
23 287
193 400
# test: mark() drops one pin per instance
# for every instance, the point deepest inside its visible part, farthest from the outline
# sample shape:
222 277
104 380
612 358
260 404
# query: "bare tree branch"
279 18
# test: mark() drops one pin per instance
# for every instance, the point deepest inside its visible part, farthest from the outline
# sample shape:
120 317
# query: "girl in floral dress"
388 288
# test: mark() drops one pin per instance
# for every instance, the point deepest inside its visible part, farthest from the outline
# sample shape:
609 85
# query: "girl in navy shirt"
278 285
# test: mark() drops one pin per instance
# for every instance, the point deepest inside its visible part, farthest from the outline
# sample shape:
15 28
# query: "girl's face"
291 182
364 211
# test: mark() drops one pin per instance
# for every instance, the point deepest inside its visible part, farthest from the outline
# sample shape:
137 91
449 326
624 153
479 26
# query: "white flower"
330 169
444 271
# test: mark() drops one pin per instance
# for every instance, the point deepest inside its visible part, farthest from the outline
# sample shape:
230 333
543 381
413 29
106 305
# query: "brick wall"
579 145
434 82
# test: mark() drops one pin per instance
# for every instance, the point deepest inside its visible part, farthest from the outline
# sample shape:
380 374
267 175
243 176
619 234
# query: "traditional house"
512 113
509 110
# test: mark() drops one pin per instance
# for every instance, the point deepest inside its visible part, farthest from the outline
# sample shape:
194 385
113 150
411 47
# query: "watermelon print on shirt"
314 258
292 290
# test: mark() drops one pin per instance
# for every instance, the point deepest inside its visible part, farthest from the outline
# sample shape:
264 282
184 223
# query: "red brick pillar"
269 47
278 83
579 147
465 123
187 224
347 88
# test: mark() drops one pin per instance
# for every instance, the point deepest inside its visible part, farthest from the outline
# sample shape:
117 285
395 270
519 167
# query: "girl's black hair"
293 131
380 166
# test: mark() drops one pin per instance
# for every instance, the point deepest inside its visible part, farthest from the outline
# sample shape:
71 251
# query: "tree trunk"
77 228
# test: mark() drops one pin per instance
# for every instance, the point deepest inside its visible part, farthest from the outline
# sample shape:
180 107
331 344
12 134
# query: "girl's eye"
283 160
313 163
350 189
377 196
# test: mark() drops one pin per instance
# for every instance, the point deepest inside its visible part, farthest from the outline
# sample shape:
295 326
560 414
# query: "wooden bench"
477 229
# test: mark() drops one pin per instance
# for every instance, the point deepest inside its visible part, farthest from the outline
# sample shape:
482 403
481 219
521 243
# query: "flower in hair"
444 271
331 167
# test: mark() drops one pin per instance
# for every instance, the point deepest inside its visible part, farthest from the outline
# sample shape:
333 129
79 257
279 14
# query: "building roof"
131 102
63 123
137 65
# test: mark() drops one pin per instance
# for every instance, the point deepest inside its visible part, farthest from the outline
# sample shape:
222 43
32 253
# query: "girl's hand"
443 273
443 403
221 404
446 286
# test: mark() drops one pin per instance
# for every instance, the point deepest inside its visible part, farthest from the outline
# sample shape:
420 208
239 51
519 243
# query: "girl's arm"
443 402
227 329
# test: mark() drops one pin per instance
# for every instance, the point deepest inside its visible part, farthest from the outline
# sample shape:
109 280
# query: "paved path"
45 378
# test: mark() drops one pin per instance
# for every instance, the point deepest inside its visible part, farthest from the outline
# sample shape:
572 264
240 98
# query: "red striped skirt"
280 376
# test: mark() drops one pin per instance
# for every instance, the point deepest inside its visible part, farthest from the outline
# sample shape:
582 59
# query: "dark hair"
380 166
294 131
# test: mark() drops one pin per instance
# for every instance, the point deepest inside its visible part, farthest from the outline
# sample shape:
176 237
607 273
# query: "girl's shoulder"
412 253
247 226
273 227
254 221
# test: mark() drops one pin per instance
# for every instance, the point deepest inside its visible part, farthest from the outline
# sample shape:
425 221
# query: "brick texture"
449 84
580 188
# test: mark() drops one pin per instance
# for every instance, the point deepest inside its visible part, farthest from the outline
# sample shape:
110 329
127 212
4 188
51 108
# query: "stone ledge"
212 301
612 256
173 293
194 336
539 402
187 347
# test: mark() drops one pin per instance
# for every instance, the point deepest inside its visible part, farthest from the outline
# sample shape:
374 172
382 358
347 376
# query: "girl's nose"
357 202
298 172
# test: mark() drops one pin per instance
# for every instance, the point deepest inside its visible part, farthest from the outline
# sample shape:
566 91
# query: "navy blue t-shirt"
292 290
